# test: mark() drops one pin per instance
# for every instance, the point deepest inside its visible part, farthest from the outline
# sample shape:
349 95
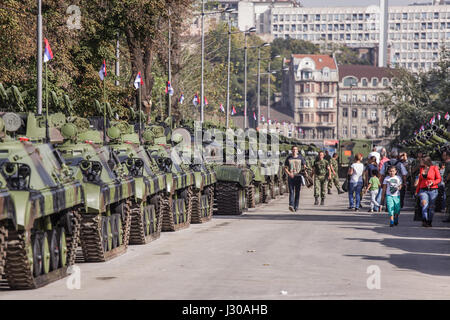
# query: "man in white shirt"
375 154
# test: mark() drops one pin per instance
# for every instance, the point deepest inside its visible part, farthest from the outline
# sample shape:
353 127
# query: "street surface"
320 252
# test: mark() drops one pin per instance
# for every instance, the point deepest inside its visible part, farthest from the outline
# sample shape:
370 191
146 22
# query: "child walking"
392 185
374 187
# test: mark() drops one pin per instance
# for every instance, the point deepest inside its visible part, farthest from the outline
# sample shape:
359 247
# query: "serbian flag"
415 133
169 88
102 72
439 117
138 81
263 119
254 116
432 120
48 54
233 111
181 99
422 128
206 101
195 100
447 116
221 108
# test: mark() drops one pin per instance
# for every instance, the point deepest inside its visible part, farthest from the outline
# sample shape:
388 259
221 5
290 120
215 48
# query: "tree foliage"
414 98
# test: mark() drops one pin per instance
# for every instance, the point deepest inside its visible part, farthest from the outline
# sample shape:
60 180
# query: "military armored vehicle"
108 190
204 176
150 182
176 204
347 150
41 201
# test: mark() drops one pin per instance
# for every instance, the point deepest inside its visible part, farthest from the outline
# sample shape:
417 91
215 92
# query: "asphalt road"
320 252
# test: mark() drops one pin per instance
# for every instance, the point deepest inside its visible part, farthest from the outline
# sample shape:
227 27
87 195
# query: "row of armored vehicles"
100 184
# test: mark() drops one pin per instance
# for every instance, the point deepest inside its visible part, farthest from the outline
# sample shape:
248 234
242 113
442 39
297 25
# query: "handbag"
345 185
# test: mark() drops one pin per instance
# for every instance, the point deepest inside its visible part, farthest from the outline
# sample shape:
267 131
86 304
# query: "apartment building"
312 91
360 112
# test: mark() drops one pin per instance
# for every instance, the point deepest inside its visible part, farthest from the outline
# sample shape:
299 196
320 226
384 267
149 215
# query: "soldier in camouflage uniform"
321 172
334 175
446 180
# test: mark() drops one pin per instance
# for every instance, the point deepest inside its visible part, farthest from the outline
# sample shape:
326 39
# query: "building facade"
416 33
360 112
312 95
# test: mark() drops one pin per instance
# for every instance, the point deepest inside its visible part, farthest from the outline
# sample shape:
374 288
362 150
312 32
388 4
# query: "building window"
355 113
306 74
344 98
364 98
348 81
374 82
373 114
345 112
364 113
354 98
364 131
306 103
374 131
364 82
385 82
354 130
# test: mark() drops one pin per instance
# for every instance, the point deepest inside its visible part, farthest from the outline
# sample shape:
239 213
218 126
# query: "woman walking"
427 189
355 184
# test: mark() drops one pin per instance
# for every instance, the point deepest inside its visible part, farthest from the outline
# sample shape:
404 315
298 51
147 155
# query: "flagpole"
104 110
140 117
47 135
39 57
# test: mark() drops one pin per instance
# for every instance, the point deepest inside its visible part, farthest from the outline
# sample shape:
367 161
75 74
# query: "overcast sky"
359 3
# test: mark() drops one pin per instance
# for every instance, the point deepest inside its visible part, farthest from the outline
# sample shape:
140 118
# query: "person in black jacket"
293 166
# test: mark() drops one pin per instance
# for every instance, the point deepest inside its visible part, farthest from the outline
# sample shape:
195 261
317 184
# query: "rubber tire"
45 253
37 255
53 242
62 247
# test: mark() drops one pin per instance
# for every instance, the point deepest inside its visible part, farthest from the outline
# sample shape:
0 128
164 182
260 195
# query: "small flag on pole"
138 81
181 99
254 116
439 117
422 128
263 119
48 54
233 111
447 116
206 101
221 108
195 100
102 72
432 120
169 88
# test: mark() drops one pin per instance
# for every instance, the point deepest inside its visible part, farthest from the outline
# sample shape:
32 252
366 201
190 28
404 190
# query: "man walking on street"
446 180
334 175
321 172
293 166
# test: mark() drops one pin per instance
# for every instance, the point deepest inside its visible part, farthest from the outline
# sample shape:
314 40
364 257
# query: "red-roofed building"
312 95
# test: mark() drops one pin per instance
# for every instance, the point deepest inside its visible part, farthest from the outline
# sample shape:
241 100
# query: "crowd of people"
385 178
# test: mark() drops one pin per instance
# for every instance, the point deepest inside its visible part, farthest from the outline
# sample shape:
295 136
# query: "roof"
365 71
321 60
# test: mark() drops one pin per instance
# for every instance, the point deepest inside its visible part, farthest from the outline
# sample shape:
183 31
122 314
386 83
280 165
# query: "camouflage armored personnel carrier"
204 176
150 181
234 178
347 150
176 204
108 190
41 213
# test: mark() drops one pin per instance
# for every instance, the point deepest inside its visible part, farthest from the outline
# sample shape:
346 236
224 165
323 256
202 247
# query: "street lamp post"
253 29
259 81
228 72
202 89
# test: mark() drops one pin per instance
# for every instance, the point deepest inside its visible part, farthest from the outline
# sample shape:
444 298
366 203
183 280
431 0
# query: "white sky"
359 3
